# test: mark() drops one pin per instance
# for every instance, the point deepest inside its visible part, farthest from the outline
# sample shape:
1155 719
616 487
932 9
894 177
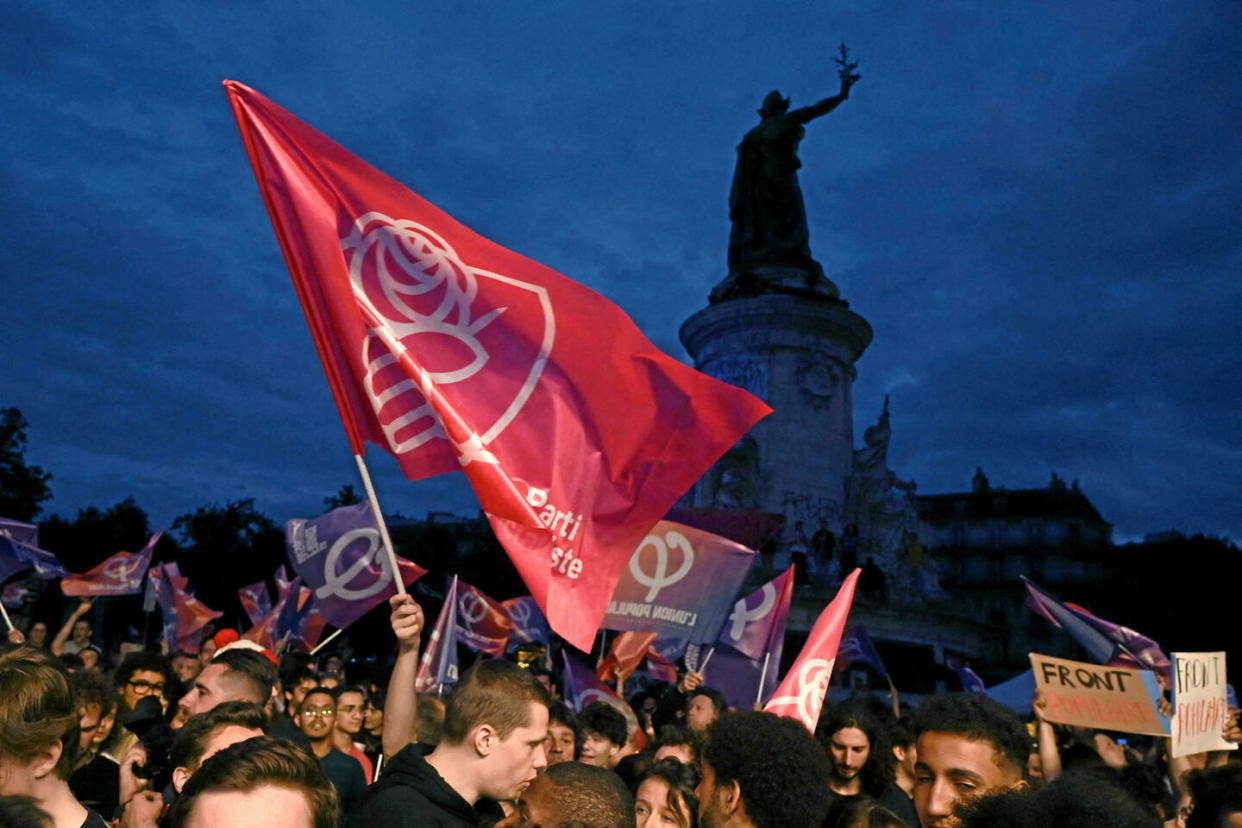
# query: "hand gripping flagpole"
383 528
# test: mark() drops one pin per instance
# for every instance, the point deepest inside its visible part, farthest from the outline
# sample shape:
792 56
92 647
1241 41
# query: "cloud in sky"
1035 208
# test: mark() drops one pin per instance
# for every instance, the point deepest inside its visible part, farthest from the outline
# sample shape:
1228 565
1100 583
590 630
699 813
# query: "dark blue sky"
1036 206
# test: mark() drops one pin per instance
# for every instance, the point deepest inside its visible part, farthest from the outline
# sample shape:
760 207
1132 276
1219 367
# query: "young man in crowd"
703 706
317 719
495 724
678 743
564 734
96 776
186 666
762 771
968 745
38 736
571 793
258 783
603 735
233 675
202 737
142 674
860 759
351 701
77 627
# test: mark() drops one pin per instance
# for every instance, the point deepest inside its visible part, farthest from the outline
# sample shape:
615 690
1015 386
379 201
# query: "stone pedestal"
798 355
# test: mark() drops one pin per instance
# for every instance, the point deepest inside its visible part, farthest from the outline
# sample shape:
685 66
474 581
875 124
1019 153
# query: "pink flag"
801 694
120 574
452 352
438 666
627 652
271 628
184 615
482 623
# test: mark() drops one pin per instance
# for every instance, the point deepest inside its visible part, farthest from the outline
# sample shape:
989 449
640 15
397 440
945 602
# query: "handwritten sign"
1098 696
1199 705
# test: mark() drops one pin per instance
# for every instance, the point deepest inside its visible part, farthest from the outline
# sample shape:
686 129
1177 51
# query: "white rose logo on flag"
813 677
445 313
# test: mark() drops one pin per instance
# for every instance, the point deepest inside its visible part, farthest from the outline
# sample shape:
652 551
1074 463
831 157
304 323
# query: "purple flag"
1104 641
737 676
527 619
438 666
340 557
681 582
19 549
582 686
857 648
971 682
757 621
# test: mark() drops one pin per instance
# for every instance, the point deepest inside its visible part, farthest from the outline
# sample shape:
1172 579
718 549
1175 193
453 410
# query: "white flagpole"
703 667
325 642
383 528
8 621
763 675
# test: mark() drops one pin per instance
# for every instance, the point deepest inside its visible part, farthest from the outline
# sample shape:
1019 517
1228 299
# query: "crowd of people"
234 736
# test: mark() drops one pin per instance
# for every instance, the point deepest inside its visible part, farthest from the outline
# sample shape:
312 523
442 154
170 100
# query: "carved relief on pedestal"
819 379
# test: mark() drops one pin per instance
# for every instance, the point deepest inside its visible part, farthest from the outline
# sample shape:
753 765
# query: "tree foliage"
346 496
94 534
23 488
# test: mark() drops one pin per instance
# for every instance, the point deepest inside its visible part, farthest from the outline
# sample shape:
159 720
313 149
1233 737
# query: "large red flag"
450 351
801 693
627 652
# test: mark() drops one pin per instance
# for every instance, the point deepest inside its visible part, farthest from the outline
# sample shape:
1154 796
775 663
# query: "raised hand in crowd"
143 810
16 636
131 784
58 643
690 681
1046 736
401 703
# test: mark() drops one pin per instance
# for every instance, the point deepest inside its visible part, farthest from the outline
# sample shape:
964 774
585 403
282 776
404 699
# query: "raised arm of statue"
846 71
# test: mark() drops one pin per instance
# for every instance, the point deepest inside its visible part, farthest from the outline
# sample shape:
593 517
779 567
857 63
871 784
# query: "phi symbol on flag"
338 584
813 680
424 299
592 694
472 608
120 569
741 615
661 578
520 613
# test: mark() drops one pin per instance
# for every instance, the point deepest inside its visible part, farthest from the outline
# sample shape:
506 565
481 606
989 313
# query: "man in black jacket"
495 723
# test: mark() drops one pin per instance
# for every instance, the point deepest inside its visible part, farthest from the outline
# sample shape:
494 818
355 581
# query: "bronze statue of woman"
769 240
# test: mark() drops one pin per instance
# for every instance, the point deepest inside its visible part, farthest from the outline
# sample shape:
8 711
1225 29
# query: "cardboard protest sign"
1199 705
1099 696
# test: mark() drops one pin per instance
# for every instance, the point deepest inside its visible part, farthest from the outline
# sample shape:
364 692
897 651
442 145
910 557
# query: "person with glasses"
143 674
317 720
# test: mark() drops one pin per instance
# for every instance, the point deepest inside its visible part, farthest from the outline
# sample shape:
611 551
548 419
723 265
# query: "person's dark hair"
861 812
253 668
589 795
604 719
681 780
191 740
494 692
37 708
132 663
901 732
671 735
71 661
91 688
1073 799
1217 794
718 700
977 718
350 688
295 666
22 812
263 761
330 692
781 770
561 713
877 772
